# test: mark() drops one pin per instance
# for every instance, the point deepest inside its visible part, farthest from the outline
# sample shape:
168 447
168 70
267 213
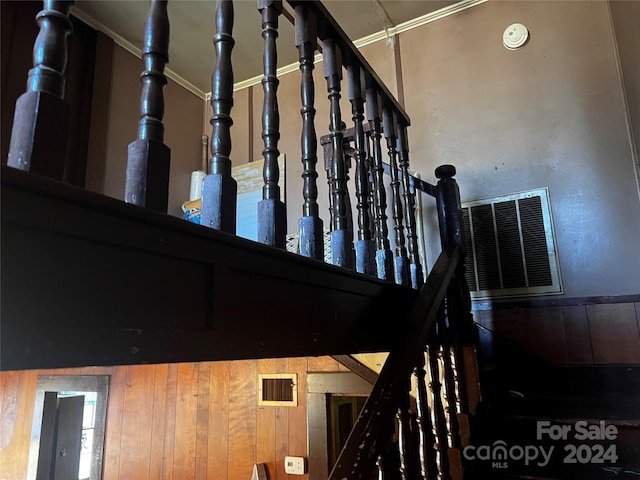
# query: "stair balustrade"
435 353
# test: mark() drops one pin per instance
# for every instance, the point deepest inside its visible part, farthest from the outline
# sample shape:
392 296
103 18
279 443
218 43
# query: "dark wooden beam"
90 280
357 367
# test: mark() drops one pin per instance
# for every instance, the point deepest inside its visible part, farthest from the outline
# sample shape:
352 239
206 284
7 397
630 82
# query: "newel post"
41 120
449 209
462 333
452 234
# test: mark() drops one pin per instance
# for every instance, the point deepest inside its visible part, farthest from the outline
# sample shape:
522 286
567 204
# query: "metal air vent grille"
278 389
510 246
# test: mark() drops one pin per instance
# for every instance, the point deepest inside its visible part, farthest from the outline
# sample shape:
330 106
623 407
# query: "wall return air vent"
510 246
278 389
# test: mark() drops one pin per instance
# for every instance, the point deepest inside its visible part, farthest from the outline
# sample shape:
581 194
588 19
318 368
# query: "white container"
197 177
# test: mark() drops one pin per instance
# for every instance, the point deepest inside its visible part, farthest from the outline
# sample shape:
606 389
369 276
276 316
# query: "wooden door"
68 438
60 437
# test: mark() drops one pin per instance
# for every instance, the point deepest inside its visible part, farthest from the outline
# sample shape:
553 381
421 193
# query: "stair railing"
370 253
365 247
427 442
367 250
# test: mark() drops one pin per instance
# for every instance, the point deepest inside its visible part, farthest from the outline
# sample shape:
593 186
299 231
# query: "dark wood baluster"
463 352
405 441
462 337
384 257
415 267
347 202
310 224
371 181
327 150
41 119
426 438
438 417
272 213
219 189
456 359
149 159
380 466
390 128
364 246
451 405
341 245
449 333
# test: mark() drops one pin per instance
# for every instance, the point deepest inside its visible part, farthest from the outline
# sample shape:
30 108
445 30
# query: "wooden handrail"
361 451
329 27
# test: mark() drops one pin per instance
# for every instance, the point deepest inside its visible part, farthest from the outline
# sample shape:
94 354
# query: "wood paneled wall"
571 334
178 421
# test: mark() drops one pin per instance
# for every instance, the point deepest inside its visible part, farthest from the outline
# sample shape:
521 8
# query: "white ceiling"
191 52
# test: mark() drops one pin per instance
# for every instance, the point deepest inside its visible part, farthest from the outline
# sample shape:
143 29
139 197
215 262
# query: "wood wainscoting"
595 330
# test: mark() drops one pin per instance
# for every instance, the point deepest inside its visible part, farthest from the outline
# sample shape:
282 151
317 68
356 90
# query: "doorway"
67 435
329 394
342 416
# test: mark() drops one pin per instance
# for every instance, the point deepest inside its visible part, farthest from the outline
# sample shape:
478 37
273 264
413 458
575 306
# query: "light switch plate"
294 465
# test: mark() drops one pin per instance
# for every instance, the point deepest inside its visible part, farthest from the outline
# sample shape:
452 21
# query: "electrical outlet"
294 465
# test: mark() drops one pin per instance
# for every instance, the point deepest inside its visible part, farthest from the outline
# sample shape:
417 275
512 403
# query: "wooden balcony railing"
428 334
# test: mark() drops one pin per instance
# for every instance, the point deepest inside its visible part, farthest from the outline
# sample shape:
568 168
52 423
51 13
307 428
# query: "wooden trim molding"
481 305
134 50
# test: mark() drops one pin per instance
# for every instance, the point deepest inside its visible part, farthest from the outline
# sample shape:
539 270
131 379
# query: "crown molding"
369 39
375 37
134 50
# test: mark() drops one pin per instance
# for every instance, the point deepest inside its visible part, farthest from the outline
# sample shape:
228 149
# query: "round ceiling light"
515 36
